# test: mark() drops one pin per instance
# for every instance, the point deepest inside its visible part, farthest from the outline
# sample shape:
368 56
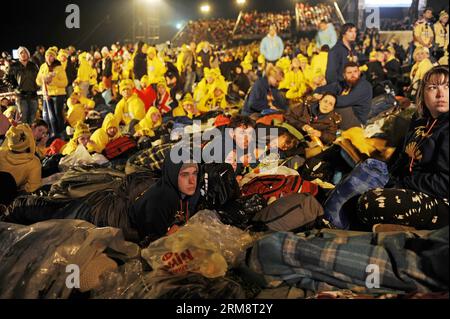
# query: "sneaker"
387 228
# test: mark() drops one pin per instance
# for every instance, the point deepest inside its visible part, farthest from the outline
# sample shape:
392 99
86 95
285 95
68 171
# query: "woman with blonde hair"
421 66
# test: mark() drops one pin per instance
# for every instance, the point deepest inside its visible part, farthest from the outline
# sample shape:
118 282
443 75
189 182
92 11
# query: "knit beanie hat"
126 84
51 51
20 138
187 99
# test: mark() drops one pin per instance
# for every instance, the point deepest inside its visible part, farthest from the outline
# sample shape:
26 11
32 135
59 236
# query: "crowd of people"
338 103
215 31
258 23
310 16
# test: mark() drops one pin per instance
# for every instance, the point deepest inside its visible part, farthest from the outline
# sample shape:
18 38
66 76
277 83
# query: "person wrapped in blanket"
317 118
169 204
417 193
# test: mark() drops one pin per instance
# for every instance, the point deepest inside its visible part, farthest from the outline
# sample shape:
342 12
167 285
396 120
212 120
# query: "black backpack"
293 213
219 185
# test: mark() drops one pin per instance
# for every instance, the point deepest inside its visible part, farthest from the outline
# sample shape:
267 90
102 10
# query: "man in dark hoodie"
342 53
354 97
140 63
169 204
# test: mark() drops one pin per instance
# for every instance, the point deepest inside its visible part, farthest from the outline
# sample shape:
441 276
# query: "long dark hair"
438 71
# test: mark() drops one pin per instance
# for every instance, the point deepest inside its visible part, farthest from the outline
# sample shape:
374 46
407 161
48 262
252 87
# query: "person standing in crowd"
326 35
442 36
354 96
38 56
106 68
140 63
53 80
22 77
342 53
272 46
423 30
265 93
71 71
417 193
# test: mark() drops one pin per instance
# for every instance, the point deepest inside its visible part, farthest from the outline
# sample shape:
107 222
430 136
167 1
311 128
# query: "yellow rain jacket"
210 102
155 67
319 63
76 112
131 109
146 127
80 130
100 137
86 73
58 84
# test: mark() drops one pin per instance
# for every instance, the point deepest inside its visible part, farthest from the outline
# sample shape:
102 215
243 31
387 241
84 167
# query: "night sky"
36 22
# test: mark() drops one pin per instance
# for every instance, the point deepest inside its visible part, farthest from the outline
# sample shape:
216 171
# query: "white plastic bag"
81 157
204 246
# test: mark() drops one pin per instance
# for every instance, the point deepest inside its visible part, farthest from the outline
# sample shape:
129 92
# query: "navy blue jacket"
359 98
338 57
257 99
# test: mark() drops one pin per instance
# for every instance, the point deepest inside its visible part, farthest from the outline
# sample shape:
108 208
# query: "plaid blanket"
406 262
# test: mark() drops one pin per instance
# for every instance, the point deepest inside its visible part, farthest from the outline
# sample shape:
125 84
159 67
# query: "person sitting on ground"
104 135
187 108
97 96
375 73
205 85
81 136
215 99
169 204
354 97
265 93
294 81
417 193
393 70
18 158
163 101
421 66
40 134
317 118
79 107
147 94
130 106
149 124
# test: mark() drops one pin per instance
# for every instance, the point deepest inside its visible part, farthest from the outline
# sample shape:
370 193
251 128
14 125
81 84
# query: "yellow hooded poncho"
77 112
80 130
86 73
212 102
129 109
146 127
100 138
17 158
155 67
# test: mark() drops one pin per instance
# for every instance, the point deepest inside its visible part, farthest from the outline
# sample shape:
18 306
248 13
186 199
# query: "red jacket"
148 96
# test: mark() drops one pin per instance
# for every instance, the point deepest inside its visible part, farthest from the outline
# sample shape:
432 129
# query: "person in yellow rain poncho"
205 85
186 108
107 133
307 70
86 74
247 64
215 99
147 126
82 135
180 59
421 66
312 48
285 64
79 106
155 67
319 62
62 58
131 106
18 158
294 81
53 80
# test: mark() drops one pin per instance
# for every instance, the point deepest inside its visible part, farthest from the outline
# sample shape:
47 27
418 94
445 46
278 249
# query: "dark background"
103 22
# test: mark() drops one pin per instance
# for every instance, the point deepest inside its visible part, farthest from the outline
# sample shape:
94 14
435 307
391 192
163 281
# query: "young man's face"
350 35
428 14
243 136
24 57
83 140
187 179
39 132
352 75
126 93
112 131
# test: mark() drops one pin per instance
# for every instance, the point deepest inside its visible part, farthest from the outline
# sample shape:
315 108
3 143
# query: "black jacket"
140 66
23 78
337 58
429 172
163 206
